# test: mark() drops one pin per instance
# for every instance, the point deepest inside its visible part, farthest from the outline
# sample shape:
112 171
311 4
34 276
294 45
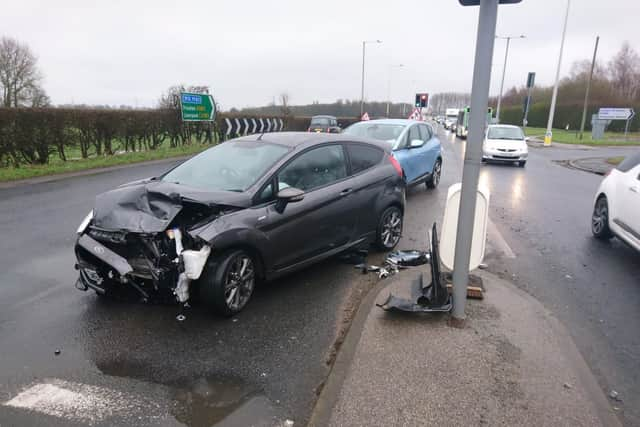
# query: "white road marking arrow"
237 132
281 125
261 125
268 125
246 127
253 130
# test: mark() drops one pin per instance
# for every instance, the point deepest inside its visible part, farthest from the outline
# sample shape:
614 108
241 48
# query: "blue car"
415 146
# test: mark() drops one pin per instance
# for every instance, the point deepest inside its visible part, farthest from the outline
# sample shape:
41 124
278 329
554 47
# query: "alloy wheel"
600 216
391 228
239 282
437 170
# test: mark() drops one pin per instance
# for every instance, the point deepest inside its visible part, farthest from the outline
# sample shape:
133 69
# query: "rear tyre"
600 219
228 281
434 179
389 228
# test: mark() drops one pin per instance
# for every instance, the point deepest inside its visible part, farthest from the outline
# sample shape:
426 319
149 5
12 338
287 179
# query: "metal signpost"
617 114
197 107
473 153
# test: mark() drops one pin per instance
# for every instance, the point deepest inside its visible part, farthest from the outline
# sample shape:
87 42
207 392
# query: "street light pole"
473 154
364 44
504 71
391 67
549 134
586 94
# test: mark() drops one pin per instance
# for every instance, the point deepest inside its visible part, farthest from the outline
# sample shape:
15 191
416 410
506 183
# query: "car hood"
504 144
150 206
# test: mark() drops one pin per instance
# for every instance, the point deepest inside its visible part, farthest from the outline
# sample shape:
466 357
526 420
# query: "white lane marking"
74 401
496 238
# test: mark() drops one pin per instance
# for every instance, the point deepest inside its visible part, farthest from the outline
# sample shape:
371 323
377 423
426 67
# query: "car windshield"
320 121
230 166
505 133
383 132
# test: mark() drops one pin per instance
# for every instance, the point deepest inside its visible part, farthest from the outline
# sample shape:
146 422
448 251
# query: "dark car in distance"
252 208
328 124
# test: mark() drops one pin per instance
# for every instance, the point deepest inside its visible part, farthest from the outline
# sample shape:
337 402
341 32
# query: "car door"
408 157
321 221
432 147
367 185
630 202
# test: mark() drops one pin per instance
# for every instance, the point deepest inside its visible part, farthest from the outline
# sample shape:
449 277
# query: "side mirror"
286 196
415 143
526 139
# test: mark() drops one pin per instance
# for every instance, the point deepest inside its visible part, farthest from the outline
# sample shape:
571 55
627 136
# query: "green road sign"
197 107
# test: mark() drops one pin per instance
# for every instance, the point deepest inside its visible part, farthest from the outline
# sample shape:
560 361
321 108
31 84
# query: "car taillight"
396 165
309 130
607 173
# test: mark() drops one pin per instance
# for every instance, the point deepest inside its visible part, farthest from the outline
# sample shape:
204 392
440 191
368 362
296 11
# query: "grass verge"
571 137
615 160
57 166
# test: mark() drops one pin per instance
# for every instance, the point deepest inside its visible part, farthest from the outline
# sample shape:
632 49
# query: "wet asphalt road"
137 364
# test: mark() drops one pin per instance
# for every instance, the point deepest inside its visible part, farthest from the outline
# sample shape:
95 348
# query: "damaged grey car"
253 208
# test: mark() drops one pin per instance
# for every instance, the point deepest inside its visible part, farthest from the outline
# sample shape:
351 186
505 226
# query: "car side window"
414 133
629 163
266 195
314 168
425 135
363 157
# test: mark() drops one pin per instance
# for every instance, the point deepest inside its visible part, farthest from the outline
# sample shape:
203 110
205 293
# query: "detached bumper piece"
423 298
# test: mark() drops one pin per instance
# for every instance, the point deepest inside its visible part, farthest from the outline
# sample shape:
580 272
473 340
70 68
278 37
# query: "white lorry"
450 118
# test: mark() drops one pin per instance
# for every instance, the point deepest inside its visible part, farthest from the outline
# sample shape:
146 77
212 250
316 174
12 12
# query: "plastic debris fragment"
407 258
181 317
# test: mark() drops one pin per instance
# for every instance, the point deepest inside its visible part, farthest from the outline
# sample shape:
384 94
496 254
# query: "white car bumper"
513 156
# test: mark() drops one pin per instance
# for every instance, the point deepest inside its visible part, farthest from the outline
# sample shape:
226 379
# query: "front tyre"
522 163
389 228
434 179
600 219
228 282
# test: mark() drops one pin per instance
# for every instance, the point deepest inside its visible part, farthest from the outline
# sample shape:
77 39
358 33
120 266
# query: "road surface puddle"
214 400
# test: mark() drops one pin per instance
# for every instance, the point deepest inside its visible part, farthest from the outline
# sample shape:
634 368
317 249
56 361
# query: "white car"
616 207
505 143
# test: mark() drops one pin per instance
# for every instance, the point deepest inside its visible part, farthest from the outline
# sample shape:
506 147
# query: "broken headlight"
85 222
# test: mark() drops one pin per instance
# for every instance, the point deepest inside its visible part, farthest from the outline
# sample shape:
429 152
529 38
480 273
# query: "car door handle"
634 189
346 191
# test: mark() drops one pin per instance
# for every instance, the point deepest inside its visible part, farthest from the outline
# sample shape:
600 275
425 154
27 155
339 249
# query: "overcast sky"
248 52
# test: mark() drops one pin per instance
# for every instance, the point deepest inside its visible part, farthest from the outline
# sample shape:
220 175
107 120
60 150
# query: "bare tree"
624 69
19 75
284 104
171 97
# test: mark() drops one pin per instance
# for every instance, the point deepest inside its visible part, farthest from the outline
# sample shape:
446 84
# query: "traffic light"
422 100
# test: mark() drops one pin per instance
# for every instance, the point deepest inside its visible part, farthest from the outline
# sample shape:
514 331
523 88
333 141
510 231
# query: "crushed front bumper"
101 269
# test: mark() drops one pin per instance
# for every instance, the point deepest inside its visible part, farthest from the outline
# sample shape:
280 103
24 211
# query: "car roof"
402 122
504 126
323 116
302 140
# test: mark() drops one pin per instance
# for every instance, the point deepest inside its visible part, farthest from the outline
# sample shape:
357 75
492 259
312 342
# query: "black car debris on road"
252 208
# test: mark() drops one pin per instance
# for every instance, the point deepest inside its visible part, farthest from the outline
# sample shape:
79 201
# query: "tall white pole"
362 86
364 44
552 110
504 71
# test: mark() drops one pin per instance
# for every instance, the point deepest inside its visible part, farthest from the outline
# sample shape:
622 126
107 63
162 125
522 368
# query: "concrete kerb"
328 396
86 172
598 165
